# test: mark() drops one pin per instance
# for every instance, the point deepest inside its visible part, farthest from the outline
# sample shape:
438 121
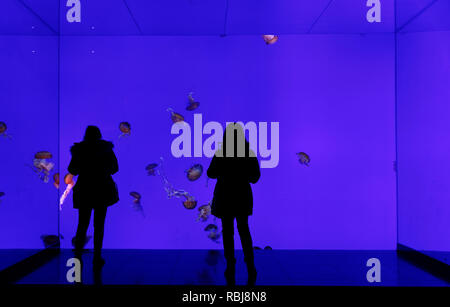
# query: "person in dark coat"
94 161
235 166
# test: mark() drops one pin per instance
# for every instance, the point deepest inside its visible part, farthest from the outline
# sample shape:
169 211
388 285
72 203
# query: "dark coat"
94 162
233 193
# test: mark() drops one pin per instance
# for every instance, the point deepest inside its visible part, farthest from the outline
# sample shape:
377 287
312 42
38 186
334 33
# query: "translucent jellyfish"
215 236
267 248
211 227
50 240
303 158
213 232
189 202
137 196
41 166
204 212
151 169
175 117
194 172
42 155
125 128
192 105
270 39
137 202
3 128
68 180
56 180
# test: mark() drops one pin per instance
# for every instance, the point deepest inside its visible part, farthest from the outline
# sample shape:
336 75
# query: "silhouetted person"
235 166
94 161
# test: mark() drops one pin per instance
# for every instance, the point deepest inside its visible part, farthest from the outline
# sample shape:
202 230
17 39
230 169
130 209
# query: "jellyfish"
189 202
125 128
204 212
41 166
50 240
3 128
176 117
151 169
303 158
215 236
213 232
56 180
270 39
194 172
68 180
192 105
267 248
137 196
137 202
211 227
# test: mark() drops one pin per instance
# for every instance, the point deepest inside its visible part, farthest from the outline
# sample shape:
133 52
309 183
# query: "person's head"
92 134
234 142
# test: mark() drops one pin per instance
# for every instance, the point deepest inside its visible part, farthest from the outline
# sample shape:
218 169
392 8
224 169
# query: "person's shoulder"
107 144
75 147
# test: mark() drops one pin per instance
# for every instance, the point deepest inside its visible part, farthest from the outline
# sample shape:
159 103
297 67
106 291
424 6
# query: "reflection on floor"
205 267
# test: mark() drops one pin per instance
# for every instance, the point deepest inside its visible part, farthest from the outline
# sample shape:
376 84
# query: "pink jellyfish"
151 169
204 212
3 128
213 232
125 128
175 117
137 202
194 172
189 202
270 39
68 180
56 180
41 165
303 158
192 103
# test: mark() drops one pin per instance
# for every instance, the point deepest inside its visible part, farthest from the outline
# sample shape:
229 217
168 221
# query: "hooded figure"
94 161
235 166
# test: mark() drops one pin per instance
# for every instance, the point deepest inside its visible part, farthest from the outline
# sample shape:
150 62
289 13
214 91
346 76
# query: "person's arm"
114 163
212 171
254 171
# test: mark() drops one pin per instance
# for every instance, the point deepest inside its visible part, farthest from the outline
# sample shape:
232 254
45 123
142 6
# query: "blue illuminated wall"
423 142
332 95
29 107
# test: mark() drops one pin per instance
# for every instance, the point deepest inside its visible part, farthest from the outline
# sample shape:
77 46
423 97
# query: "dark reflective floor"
9 257
205 267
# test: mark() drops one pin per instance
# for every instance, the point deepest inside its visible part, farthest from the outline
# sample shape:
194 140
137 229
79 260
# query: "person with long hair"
235 166
94 161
